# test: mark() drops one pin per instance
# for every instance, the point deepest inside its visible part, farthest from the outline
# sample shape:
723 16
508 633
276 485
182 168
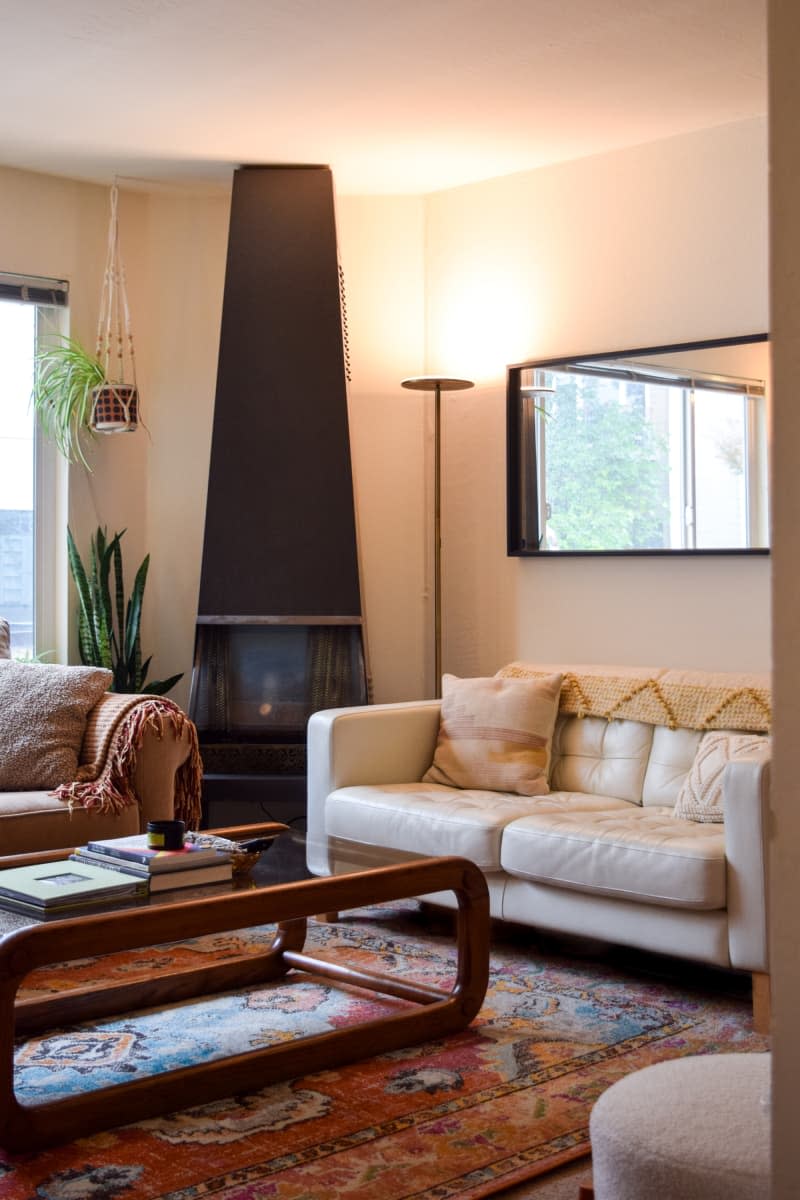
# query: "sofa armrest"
102 724
167 773
746 801
142 750
373 744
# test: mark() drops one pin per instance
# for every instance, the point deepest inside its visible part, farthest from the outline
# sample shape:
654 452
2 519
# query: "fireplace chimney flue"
280 628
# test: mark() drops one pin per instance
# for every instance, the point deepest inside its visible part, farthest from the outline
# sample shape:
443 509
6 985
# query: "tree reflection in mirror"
648 451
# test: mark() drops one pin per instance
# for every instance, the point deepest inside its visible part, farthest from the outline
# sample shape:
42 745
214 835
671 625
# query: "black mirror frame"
516 546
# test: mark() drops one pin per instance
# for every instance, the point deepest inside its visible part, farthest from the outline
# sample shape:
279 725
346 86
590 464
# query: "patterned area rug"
468 1116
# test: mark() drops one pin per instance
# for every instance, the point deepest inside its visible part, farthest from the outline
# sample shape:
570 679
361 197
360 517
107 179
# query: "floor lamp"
437 385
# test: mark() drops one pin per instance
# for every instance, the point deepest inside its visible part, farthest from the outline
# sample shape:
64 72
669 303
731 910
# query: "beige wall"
381 248
661 243
182 260
784 41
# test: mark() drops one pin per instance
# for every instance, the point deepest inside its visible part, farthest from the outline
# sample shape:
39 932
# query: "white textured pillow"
700 798
495 734
43 711
5 639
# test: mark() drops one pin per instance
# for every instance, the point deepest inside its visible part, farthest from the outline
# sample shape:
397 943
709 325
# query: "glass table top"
281 862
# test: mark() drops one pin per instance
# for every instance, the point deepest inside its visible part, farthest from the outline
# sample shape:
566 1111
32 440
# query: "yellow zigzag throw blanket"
678 699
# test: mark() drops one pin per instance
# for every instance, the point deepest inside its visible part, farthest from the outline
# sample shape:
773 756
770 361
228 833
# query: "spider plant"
66 375
108 628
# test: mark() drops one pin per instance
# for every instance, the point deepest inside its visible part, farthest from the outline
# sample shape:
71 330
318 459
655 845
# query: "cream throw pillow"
700 798
43 711
5 639
495 734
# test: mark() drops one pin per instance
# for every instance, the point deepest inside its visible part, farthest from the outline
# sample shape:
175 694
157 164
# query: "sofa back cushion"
671 758
5 639
43 711
606 758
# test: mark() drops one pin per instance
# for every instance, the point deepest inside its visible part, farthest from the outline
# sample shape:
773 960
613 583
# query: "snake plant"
109 627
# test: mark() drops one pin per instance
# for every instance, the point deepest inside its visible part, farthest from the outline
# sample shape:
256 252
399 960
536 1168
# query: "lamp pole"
437 384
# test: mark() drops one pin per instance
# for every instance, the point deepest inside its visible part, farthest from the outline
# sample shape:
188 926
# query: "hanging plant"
115 407
76 392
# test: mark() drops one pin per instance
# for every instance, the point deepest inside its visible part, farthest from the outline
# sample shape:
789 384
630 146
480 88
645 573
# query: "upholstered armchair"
79 762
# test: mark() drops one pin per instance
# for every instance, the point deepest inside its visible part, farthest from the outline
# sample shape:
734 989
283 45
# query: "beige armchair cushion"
43 712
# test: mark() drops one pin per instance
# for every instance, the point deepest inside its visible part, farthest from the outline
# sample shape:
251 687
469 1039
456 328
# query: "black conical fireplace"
280 627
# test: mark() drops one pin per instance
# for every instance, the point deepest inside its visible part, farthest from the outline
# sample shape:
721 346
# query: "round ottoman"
689 1129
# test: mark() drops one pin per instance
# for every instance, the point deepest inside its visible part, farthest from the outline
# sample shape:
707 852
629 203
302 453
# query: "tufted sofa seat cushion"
630 852
433 819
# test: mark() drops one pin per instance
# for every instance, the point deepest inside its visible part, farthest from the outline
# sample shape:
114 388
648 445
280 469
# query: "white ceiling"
395 95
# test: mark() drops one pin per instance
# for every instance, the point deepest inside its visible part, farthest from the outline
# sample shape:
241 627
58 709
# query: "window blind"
649 373
34 289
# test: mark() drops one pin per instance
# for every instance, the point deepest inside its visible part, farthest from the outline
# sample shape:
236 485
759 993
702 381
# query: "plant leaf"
119 592
100 603
161 686
134 613
90 652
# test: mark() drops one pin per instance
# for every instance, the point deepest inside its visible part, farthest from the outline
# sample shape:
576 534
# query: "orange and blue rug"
466 1117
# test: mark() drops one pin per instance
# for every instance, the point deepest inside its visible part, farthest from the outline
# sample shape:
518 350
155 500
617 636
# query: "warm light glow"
264 710
485 321
481 315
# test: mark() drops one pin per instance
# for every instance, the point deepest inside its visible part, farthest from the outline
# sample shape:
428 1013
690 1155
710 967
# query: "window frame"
50 632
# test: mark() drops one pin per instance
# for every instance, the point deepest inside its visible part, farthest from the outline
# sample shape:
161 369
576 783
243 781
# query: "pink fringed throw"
113 739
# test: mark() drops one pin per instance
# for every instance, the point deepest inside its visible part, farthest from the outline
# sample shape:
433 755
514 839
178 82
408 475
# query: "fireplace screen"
264 681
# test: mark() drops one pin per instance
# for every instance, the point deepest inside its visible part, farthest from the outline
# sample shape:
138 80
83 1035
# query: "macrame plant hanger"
115 406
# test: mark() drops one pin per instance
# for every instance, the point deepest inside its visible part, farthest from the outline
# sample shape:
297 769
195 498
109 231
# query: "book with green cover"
86 907
58 885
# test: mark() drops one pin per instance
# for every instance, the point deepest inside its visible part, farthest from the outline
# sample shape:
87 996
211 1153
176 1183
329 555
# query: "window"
627 453
29 473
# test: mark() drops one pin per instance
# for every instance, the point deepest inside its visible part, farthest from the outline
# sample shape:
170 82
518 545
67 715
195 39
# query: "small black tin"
165 835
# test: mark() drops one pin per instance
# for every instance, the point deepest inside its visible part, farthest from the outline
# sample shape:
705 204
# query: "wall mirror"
648 451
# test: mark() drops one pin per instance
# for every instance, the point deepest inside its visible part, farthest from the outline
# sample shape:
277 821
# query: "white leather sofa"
602 855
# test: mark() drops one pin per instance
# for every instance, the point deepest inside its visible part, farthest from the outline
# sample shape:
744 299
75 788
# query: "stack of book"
162 870
62 888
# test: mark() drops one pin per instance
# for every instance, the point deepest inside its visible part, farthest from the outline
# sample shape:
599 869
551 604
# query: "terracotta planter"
115 408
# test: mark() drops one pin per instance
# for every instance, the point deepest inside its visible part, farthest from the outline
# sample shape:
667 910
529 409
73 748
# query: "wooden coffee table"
175 916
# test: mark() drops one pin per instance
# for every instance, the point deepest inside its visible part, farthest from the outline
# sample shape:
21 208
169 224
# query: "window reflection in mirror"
645 451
